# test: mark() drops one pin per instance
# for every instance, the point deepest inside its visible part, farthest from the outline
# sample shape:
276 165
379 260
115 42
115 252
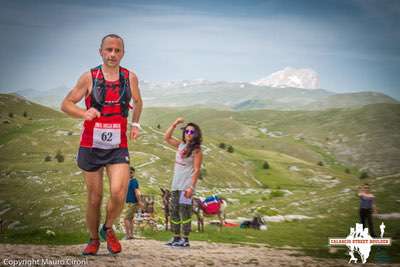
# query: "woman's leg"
370 223
175 216
186 215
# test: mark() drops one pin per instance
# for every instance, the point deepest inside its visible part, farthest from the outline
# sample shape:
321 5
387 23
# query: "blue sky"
354 45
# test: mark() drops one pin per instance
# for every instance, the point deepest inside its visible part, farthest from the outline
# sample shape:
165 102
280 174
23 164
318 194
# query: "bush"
265 186
10 114
364 175
25 114
266 165
70 133
277 193
47 158
347 171
320 163
222 145
158 126
59 156
230 149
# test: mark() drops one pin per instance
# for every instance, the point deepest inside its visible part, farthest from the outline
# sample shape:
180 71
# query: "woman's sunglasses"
189 132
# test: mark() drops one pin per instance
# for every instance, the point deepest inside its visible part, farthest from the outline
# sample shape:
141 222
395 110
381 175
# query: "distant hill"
366 137
350 100
17 105
229 95
358 136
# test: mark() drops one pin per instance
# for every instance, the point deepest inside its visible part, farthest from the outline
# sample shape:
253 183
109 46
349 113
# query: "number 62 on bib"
106 135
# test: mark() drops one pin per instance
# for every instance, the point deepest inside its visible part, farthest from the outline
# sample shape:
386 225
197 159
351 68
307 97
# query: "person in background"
188 160
133 204
367 208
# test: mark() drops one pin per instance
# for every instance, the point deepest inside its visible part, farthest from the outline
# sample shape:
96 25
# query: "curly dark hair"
196 141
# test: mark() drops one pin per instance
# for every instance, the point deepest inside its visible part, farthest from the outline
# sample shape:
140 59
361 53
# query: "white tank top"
183 170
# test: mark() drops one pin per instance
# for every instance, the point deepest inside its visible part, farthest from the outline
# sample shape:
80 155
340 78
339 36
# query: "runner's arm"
137 99
75 95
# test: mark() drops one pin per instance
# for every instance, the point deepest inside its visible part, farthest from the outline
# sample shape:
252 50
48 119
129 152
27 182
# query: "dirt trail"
155 253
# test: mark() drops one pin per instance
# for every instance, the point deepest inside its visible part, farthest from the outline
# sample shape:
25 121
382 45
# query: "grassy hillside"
38 195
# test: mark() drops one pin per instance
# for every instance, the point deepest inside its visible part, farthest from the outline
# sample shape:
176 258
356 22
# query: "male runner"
107 90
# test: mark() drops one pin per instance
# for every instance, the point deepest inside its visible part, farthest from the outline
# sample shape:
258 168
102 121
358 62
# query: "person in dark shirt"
367 208
133 203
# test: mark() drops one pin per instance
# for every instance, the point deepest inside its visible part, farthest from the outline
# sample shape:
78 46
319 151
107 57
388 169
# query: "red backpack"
211 205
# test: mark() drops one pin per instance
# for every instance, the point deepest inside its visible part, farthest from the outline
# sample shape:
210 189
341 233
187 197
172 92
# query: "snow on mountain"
291 77
183 83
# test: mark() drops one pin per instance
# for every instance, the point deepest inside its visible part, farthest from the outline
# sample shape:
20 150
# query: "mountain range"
288 89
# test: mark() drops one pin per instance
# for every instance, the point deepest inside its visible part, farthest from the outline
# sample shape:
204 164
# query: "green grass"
25 144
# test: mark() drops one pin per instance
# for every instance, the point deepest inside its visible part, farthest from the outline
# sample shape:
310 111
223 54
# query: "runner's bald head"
112 35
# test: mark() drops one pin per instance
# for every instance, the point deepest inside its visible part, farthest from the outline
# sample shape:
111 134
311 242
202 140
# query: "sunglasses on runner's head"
189 132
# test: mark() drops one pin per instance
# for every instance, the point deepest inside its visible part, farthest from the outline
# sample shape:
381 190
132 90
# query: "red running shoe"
92 247
113 244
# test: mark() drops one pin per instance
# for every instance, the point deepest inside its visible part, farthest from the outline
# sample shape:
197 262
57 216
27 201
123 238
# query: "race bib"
106 135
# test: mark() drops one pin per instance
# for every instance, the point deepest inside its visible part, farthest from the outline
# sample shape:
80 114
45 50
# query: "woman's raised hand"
178 121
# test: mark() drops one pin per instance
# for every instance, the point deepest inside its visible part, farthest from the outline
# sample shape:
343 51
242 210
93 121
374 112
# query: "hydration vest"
111 99
98 93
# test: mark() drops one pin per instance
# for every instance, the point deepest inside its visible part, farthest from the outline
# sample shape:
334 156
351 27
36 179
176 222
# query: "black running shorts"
92 159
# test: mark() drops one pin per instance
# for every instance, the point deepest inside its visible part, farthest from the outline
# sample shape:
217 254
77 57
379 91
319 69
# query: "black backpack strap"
98 89
124 91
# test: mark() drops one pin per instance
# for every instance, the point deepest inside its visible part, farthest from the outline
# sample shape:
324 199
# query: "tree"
266 165
230 149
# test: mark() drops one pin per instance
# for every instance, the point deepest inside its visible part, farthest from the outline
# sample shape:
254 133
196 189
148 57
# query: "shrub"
158 126
364 175
347 171
277 193
320 163
59 156
47 158
222 145
230 149
25 114
10 114
266 165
